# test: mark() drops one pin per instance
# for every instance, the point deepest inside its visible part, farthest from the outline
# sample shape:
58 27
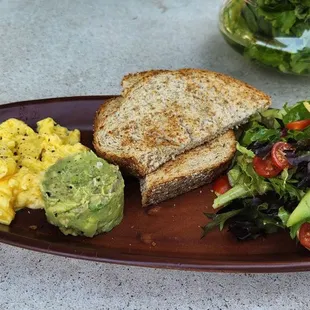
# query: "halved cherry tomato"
278 155
221 185
265 168
304 235
298 125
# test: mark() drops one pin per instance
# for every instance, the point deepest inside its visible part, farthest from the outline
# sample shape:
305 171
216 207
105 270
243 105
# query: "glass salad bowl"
275 33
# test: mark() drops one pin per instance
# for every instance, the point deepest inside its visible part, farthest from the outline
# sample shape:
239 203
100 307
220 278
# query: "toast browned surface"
189 170
109 107
131 79
165 113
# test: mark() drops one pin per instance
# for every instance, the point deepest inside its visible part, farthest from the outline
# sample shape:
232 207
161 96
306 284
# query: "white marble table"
64 48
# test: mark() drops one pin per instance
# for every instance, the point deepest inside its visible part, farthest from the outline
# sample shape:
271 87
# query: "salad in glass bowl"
275 33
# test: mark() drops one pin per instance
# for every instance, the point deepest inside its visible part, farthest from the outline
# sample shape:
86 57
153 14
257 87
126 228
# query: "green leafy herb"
246 219
301 214
275 5
283 215
274 33
298 135
286 190
297 112
218 220
293 230
259 133
243 150
246 182
238 191
271 118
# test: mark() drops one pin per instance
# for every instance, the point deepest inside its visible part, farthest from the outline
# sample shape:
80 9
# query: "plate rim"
205 265
238 266
57 100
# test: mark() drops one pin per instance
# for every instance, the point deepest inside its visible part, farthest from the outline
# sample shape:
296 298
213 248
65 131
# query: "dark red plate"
166 236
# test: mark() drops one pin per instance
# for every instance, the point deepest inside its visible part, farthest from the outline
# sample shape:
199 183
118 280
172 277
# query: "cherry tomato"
278 155
221 185
304 235
265 168
298 125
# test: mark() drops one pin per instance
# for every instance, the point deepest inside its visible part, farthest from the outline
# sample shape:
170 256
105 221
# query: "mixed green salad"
273 32
267 187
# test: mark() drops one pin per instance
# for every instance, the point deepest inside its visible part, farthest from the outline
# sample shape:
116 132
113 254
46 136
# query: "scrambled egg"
24 156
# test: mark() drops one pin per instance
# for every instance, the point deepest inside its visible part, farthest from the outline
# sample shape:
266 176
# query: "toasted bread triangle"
165 113
189 170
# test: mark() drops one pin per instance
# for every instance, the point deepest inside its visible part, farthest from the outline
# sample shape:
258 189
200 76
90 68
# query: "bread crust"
131 79
144 76
102 112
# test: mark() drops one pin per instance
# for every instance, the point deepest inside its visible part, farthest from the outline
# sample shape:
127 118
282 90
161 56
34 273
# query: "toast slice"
189 170
165 113
109 107
131 79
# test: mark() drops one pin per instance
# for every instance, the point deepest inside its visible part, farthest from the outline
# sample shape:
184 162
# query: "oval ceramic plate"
165 236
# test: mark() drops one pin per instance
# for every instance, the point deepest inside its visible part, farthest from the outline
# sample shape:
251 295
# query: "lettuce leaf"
259 133
281 32
218 220
301 61
283 215
237 192
281 22
275 5
247 218
300 2
299 135
297 112
245 181
270 119
243 150
286 190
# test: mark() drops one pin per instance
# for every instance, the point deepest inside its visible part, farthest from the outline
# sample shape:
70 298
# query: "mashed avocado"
83 195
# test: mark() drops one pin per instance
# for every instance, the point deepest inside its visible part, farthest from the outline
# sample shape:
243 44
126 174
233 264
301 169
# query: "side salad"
267 187
275 33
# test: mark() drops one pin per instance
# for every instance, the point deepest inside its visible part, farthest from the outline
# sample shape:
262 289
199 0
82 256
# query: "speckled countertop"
64 48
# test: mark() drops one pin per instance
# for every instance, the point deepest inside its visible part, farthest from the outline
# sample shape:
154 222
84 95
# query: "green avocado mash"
275 33
83 195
